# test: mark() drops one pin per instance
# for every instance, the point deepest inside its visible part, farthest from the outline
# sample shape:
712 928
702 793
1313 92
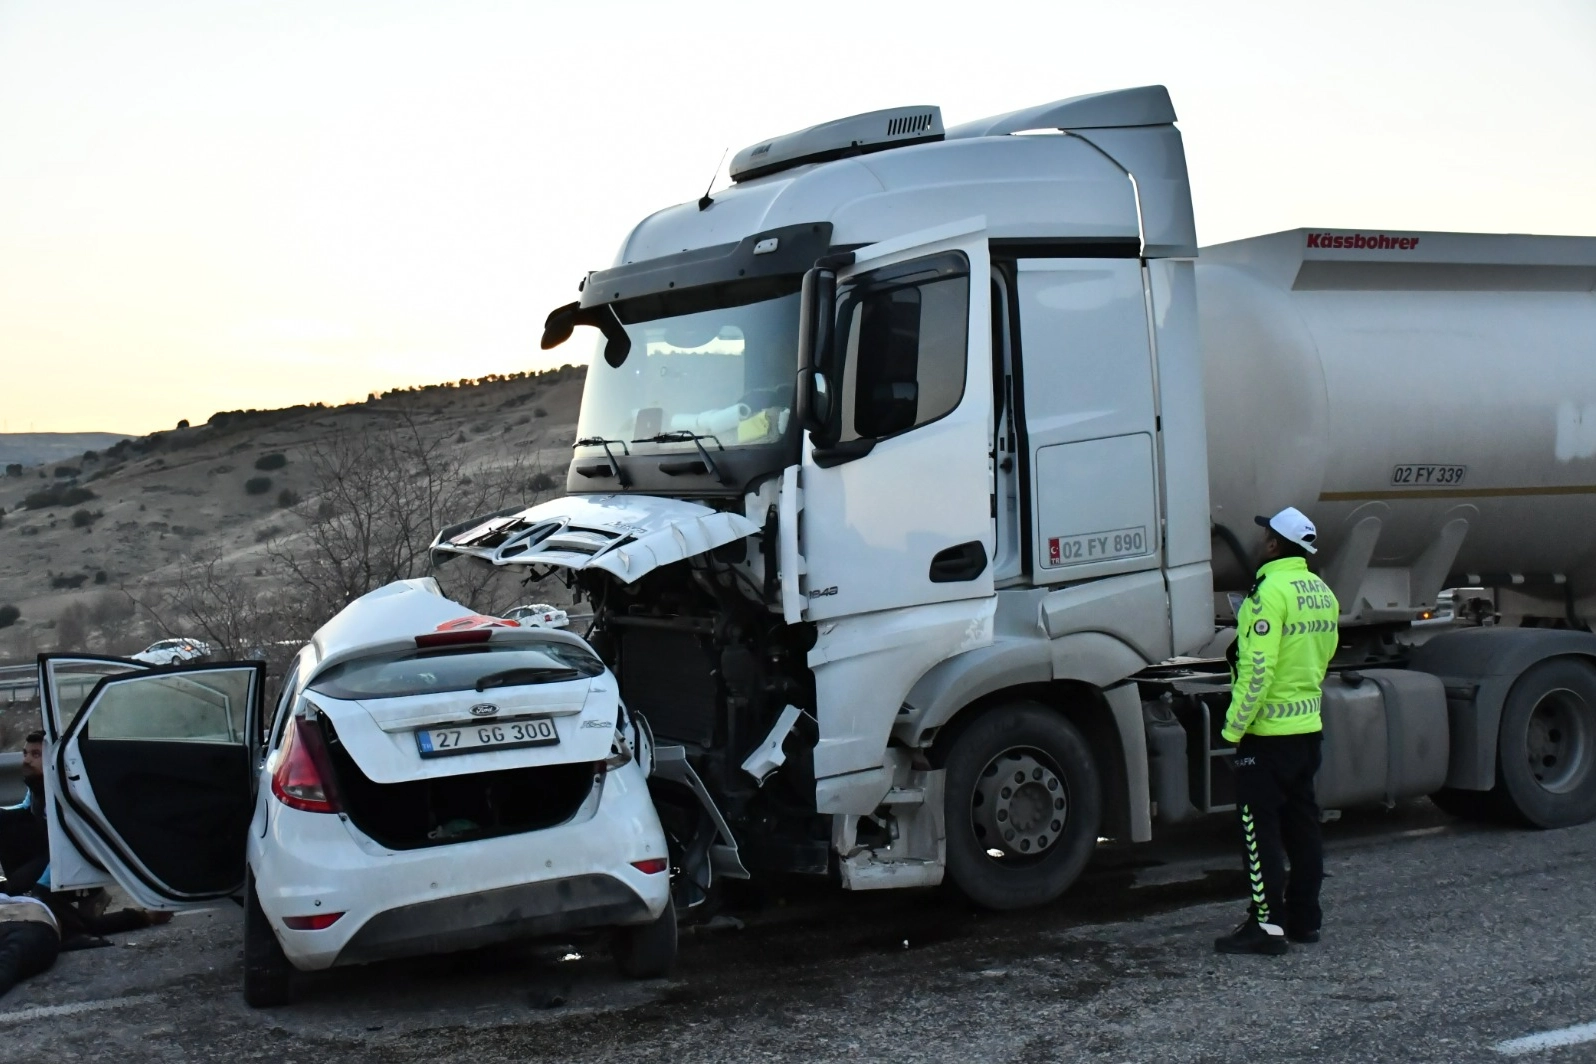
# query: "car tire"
268 976
648 951
1037 742
1546 746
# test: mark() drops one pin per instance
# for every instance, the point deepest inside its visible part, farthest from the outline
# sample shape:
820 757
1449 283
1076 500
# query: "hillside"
39 448
92 548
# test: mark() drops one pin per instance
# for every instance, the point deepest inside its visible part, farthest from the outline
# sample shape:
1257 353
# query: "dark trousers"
27 948
1280 822
24 849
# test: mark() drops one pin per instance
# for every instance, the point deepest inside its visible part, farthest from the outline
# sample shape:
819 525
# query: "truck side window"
906 348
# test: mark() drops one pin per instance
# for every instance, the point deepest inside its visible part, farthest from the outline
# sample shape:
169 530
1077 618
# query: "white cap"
1293 526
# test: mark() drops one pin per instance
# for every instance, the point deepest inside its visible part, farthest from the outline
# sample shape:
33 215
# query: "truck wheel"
1546 749
648 951
1023 803
268 977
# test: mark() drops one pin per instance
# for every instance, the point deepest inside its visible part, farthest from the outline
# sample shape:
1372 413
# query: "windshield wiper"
516 677
682 436
600 441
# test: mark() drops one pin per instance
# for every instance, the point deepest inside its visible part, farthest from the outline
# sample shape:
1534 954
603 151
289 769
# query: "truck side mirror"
817 308
557 328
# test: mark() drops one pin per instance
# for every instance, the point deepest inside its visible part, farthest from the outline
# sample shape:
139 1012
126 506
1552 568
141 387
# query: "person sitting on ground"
24 835
29 939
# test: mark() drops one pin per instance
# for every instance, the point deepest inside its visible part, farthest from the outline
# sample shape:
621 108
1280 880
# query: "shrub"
541 481
70 583
91 456
183 424
67 471
83 518
257 485
14 469
264 534
100 577
59 495
9 615
268 462
287 497
538 411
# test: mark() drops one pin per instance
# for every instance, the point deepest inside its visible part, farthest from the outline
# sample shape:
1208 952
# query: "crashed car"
429 780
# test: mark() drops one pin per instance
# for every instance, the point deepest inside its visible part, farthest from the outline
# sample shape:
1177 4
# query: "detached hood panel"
627 536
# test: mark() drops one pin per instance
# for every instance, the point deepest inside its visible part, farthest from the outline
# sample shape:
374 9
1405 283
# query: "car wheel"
268 976
1546 748
1023 801
648 951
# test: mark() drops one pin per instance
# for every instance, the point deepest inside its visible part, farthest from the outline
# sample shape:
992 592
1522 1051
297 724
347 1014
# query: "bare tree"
208 599
376 499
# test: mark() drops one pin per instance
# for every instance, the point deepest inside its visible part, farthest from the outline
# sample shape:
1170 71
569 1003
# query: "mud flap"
710 849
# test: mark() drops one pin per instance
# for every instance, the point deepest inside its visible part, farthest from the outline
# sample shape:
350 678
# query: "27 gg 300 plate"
500 735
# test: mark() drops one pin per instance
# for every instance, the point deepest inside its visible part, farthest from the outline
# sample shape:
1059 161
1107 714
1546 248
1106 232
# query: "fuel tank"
1428 399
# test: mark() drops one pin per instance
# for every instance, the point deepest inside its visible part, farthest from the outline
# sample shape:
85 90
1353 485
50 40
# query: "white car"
173 652
539 615
418 757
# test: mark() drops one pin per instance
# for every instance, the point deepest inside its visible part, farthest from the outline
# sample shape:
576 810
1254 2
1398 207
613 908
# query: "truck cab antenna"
704 201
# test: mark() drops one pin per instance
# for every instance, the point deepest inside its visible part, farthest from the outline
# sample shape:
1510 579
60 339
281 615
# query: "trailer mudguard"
1479 667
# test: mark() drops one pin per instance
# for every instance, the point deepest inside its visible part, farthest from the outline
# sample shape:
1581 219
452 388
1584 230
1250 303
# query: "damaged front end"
687 613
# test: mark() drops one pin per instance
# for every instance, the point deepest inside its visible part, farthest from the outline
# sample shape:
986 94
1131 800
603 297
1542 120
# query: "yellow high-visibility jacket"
1286 633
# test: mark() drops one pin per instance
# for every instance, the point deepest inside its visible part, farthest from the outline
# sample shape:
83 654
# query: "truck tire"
1023 800
268 977
648 951
1546 747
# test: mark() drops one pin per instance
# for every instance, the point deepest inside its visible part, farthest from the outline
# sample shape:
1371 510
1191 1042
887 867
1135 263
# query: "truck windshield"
717 364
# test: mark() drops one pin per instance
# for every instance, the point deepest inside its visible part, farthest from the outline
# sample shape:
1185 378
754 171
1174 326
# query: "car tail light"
652 866
318 922
304 779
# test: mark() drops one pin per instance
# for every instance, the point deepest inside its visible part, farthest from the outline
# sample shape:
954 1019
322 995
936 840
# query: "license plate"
469 738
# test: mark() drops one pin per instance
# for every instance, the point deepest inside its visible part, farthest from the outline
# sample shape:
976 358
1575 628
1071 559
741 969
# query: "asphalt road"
1442 941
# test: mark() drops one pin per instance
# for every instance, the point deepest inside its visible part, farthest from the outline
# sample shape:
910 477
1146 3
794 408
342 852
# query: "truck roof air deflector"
1146 105
856 135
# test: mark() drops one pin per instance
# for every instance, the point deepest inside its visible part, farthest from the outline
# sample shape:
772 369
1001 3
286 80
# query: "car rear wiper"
600 441
682 436
516 677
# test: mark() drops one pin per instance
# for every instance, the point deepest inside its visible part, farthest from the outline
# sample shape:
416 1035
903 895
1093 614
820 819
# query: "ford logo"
484 709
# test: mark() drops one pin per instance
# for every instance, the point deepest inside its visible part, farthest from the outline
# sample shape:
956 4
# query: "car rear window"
464 668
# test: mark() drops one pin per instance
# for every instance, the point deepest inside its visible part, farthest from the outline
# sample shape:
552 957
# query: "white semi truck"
915 468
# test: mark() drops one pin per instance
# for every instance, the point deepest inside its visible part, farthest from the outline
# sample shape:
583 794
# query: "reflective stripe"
1260 898
1282 710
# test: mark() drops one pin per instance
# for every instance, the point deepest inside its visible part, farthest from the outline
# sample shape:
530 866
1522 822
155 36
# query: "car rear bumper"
466 921
439 898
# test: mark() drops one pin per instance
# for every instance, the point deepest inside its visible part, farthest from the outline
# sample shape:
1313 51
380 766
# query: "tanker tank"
1429 399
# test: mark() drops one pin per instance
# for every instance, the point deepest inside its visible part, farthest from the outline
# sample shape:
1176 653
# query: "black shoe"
1253 937
1306 938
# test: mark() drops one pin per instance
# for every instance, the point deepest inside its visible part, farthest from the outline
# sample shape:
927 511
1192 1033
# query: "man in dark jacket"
24 836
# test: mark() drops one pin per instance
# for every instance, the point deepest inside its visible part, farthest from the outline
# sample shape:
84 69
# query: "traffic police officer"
1286 632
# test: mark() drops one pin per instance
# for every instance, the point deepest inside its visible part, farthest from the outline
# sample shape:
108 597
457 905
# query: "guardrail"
11 789
19 683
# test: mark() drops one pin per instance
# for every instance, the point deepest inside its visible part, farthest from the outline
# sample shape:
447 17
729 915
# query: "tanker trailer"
1429 399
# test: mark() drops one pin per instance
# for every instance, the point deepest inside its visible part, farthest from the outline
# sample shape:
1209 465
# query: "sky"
227 204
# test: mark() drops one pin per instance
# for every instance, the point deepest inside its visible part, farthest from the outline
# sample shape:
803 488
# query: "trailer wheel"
1546 749
268 975
648 951
1023 802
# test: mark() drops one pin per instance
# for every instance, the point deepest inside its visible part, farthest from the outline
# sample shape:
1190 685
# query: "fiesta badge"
484 709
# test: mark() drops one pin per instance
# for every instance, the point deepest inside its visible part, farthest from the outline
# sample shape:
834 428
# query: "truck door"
155 777
899 512
64 685
1090 418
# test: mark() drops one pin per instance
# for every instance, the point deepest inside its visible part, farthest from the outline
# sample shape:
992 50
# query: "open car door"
65 681
155 779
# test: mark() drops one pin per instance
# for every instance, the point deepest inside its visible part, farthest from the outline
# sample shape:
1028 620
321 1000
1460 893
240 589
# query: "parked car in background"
174 652
388 805
539 615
